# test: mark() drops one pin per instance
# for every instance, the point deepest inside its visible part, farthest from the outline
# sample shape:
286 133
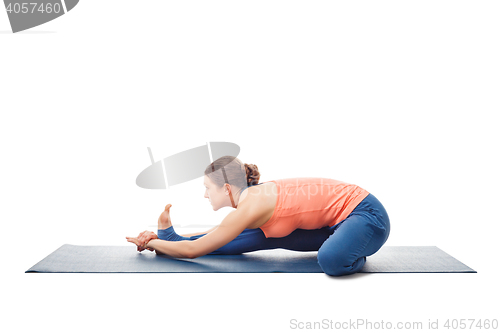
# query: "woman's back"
303 203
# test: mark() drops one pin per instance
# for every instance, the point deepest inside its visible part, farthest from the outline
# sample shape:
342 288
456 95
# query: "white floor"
239 302
244 302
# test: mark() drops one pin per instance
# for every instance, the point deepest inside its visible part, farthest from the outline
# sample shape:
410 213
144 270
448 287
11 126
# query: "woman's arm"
179 249
234 223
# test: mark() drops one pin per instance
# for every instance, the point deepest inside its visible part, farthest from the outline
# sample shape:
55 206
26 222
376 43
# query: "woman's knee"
338 264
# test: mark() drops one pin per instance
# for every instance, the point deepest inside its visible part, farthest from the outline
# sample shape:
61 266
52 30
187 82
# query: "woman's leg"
361 234
254 239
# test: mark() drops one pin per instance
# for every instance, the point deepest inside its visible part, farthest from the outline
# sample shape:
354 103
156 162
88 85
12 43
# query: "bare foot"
164 220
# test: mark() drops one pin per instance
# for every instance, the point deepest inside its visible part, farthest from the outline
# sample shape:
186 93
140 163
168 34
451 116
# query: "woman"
341 221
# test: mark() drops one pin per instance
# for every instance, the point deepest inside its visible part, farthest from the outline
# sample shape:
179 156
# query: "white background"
397 97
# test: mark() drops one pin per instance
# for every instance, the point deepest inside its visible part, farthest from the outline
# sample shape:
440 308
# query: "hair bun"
253 174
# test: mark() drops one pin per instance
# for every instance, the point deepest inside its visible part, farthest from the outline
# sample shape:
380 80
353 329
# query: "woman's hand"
145 236
140 246
164 220
142 240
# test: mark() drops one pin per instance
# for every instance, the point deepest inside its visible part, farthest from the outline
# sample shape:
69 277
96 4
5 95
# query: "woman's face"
216 195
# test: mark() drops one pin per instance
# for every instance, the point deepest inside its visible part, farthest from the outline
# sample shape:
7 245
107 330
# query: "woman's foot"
164 220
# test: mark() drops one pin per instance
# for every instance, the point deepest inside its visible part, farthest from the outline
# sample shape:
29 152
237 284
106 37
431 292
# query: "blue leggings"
342 249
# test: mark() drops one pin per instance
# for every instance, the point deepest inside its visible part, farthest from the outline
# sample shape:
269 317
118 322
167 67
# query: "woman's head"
226 177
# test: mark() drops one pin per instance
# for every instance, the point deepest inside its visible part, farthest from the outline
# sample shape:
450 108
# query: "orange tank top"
311 203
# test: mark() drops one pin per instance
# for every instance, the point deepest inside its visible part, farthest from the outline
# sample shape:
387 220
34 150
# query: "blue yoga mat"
126 259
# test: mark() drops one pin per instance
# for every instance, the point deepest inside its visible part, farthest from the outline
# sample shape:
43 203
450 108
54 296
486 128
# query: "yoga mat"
126 259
